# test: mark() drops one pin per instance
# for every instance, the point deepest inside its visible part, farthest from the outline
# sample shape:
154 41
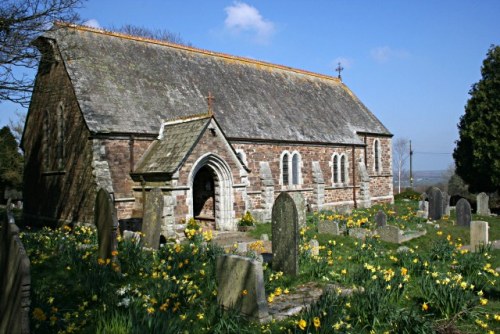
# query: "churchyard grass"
429 286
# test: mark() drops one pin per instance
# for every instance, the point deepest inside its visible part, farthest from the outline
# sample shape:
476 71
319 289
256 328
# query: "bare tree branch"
401 153
21 21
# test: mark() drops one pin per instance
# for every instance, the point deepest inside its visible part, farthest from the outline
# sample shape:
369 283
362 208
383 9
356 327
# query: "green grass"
434 287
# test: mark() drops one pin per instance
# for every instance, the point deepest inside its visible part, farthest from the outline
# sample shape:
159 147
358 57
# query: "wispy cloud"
345 62
92 23
384 54
242 17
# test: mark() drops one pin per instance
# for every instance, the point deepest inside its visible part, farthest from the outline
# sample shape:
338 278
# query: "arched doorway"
204 196
211 181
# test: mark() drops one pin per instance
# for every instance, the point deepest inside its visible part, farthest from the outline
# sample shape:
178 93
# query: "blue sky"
412 63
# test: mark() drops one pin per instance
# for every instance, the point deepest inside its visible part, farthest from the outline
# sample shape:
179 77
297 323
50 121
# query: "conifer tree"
477 151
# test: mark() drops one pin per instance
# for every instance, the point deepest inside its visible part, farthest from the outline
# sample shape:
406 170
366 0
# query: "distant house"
218 134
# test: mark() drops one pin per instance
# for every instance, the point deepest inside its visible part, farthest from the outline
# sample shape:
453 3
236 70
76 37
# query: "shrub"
408 193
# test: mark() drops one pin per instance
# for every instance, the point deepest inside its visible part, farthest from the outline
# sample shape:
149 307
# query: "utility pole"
411 167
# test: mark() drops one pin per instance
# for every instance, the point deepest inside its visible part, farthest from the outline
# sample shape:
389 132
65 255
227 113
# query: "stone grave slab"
435 204
314 246
464 213
478 234
380 218
152 219
285 234
483 208
329 227
106 223
389 233
240 282
301 205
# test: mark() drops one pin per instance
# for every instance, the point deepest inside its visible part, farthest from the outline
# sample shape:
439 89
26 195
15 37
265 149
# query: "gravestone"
446 203
483 208
435 204
329 227
380 218
314 246
151 222
478 234
285 234
107 224
463 210
240 286
301 205
389 233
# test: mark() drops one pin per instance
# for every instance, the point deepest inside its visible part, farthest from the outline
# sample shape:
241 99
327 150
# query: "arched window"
284 169
376 155
295 168
343 168
335 168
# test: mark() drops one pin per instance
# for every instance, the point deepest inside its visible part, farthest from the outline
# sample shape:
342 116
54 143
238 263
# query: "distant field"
424 178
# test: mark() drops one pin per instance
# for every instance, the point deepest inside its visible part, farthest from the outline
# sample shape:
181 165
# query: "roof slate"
167 154
127 84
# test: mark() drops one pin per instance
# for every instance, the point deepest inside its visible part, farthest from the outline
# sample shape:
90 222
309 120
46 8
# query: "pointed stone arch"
223 188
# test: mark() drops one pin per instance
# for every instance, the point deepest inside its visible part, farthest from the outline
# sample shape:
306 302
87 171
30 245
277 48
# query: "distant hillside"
424 178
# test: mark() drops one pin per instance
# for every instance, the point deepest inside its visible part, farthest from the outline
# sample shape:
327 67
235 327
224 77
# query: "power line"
431 152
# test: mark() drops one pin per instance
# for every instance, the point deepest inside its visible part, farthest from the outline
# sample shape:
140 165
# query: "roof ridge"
193 49
183 119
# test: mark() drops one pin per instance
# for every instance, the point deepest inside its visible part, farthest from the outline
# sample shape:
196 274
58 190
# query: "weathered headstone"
151 222
483 208
329 227
359 233
478 234
285 234
301 205
314 246
423 206
380 218
389 233
446 203
107 224
463 210
240 282
435 204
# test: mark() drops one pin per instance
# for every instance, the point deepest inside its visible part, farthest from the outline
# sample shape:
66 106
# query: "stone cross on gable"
210 99
339 69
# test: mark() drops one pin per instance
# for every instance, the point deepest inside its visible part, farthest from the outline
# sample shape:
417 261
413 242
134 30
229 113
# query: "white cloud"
242 17
92 23
383 54
344 62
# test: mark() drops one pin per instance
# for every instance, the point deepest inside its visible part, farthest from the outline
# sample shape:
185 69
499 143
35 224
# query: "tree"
11 161
158 34
477 151
21 21
401 152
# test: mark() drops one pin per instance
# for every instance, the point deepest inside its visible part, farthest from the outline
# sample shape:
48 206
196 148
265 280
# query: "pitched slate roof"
167 153
128 84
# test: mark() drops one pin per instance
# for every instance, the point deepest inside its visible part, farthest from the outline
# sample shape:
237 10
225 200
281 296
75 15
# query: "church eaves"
127 84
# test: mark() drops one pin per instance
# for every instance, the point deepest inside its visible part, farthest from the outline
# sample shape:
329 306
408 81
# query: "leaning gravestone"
285 234
463 210
483 208
301 205
435 204
478 234
380 218
151 223
329 227
240 286
107 224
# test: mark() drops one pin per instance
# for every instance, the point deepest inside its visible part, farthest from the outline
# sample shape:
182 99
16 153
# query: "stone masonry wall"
58 185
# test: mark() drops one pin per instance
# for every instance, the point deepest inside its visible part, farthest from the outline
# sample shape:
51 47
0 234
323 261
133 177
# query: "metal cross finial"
210 100
339 69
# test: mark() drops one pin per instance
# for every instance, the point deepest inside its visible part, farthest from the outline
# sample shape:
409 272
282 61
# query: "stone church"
218 134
